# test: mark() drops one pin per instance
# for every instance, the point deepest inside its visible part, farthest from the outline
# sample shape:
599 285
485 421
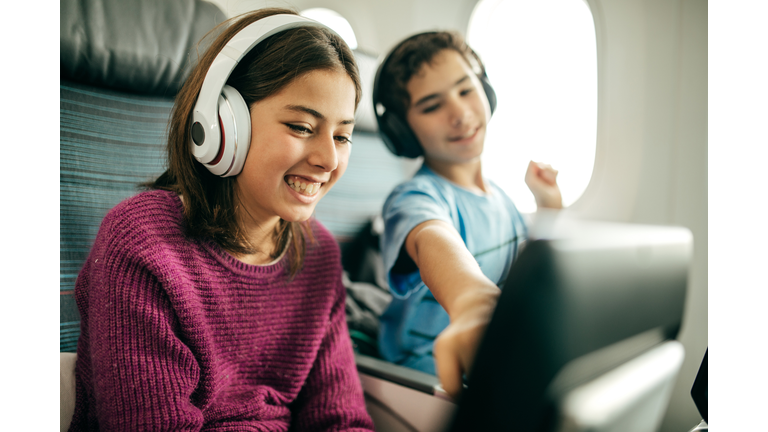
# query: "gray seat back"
121 64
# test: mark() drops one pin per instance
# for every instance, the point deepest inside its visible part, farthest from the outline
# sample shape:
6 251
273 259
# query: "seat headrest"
140 46
365 120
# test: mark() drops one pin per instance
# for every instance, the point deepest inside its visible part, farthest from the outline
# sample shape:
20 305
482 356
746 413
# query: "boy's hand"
541 179
455 347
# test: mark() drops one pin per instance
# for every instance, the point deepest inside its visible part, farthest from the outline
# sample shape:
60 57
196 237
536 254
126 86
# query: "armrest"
401 399
67 388
397 374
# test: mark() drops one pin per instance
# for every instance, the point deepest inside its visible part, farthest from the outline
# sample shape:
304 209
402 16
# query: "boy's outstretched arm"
541 179
459 285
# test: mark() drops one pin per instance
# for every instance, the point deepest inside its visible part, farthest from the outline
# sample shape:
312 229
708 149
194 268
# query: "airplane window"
332 19
541 58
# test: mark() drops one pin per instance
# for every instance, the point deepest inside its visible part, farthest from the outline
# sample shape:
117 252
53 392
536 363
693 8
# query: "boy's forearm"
449 269
459 285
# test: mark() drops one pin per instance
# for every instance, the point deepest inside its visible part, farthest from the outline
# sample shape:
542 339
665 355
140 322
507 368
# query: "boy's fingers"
549 175
532 172
544 171
533 167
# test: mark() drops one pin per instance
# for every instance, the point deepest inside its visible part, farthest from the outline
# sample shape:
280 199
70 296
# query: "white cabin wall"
689 203
651 159
378 24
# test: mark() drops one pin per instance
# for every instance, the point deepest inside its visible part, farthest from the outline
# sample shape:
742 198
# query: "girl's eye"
298 128
430 109
343 140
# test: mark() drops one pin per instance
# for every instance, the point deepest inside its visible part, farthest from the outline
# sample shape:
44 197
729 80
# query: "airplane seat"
632 396
121 64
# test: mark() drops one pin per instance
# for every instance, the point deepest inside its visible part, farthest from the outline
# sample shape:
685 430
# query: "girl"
216 303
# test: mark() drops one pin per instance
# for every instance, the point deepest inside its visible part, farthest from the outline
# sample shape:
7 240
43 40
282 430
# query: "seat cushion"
110 142
67 388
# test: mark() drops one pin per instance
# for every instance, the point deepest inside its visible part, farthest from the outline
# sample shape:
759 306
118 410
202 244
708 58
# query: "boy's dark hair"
210 201
407 59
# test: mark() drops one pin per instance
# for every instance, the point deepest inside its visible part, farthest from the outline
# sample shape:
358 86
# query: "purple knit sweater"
178 335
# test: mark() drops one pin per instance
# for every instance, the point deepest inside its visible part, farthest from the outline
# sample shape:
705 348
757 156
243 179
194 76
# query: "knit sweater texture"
176 334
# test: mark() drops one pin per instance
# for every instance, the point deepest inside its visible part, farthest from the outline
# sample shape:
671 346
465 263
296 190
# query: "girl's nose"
323 153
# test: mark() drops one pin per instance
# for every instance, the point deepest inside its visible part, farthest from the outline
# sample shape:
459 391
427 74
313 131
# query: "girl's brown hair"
210 202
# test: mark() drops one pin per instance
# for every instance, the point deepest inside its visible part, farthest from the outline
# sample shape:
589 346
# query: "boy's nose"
459 112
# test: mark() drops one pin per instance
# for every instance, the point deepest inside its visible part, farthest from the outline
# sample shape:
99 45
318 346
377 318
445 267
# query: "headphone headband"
206 133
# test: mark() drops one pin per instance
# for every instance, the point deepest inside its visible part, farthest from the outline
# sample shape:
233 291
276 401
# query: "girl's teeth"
301 187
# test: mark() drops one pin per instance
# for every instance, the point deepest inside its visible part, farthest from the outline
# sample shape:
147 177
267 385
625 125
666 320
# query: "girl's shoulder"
150 214
152 201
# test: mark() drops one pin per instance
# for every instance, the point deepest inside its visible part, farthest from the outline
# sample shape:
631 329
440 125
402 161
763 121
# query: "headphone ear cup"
490 93
235 123
399 137
241 129
224 154
394 131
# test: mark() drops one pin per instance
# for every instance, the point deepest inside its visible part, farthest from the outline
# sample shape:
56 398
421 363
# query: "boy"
450 234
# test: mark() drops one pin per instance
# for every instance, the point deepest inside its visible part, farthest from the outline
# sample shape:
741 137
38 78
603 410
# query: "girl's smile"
303 186
300 146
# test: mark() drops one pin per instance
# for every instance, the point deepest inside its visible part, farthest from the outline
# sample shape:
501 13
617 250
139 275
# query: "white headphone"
223 145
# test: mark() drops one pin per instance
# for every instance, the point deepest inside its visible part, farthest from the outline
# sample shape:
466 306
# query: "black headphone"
393 128
221 120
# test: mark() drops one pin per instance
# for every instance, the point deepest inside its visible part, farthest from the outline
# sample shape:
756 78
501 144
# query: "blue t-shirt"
492 229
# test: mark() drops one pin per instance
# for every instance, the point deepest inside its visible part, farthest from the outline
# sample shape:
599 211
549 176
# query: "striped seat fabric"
110 142
121 64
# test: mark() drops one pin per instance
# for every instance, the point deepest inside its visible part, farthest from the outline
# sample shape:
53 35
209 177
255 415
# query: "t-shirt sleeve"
409 205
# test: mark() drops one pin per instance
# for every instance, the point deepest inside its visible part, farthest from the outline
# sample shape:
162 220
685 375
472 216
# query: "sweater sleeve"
332 397
143 375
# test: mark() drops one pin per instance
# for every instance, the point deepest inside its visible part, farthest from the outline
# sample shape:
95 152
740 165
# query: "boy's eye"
298 128
430 109
466 91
